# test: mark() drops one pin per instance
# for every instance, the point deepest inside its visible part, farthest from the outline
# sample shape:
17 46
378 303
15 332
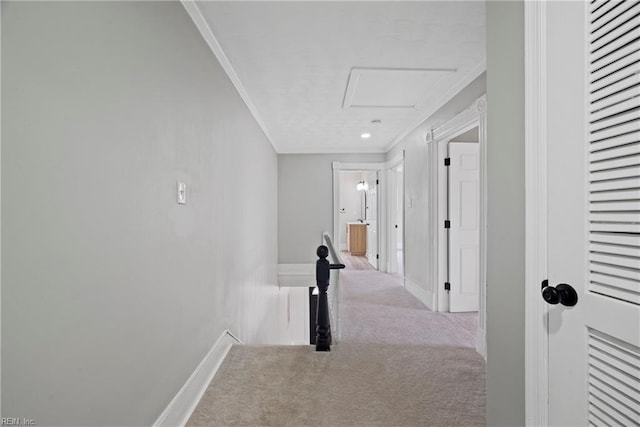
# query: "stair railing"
323 268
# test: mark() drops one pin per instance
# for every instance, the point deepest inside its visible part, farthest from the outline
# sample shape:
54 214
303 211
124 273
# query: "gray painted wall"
111 293
505 221
305 202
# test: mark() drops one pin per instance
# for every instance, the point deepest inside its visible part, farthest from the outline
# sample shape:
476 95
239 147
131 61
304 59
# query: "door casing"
536 226
437 139
383 201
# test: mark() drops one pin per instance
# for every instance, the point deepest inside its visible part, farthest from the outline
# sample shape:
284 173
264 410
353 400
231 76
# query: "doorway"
358 219
466 129
463 226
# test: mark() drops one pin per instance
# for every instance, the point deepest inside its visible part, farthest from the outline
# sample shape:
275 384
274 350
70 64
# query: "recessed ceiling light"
365 135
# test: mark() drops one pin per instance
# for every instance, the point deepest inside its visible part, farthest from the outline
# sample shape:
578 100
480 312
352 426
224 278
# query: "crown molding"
452 91
201 24
462 122
332 150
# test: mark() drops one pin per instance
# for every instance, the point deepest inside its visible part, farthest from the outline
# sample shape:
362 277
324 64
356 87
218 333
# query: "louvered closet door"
594 211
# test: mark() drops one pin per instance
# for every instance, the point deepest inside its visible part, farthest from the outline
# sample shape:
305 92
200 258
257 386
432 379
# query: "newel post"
323 327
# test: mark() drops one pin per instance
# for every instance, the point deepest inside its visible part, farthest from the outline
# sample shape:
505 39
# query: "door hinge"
377 256
447 224
447 161
447 286
377 181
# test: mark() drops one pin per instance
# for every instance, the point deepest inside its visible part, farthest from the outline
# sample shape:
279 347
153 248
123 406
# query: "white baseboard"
181 407
481 342
425 296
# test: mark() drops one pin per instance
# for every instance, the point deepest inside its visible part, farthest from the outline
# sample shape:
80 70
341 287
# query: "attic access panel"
391 87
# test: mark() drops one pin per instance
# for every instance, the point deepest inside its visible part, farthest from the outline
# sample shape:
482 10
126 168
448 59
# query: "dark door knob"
562 293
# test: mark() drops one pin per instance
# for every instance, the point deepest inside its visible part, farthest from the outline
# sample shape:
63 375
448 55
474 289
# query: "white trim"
331 150
201 23
481 337
536 338
383 200
397 160
392 189
426 297
181 407
358 166
389 164
472 116
463 121
446 97
0 210
481 342
440 250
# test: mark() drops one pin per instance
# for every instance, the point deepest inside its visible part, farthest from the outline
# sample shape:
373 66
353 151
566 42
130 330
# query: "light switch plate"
182 193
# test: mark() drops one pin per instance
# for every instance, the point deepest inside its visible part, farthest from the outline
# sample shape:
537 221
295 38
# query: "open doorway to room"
463 200
458 162
358 219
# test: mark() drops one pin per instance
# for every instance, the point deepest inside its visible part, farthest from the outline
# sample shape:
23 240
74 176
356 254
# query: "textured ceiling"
294 60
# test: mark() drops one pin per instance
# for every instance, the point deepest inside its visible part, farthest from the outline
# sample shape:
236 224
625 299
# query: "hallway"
397 364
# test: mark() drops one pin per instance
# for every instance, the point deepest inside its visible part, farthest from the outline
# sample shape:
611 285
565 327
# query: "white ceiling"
316 73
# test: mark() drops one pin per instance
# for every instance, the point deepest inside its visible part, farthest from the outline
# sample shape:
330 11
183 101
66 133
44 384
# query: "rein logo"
15 421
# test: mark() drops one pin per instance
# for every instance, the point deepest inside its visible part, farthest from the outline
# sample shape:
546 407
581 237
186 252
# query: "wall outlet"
182 193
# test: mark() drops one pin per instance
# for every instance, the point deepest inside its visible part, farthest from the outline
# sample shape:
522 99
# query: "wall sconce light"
361 185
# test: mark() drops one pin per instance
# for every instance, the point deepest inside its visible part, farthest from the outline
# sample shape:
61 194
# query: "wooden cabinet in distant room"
357 238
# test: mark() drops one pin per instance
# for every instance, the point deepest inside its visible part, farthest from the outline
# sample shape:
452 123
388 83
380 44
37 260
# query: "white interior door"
396 213
593 212
372 218
392 177
464 234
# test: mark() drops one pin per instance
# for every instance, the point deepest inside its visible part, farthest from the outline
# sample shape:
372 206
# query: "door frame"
536 226
383 201
437 140
394 186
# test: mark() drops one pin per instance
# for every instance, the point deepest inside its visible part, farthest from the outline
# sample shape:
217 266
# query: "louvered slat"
615 132
618 17
618 66
613 292
626 144
601 9
631 194
633 205
617 173
614 380
624 285
614 35
629 262
621 184
615 87
615 249
604 113
623 158
615 271
615 239
608 46
614 228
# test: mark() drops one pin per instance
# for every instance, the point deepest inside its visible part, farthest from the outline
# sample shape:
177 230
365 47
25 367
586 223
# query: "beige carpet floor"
398 365
355 262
